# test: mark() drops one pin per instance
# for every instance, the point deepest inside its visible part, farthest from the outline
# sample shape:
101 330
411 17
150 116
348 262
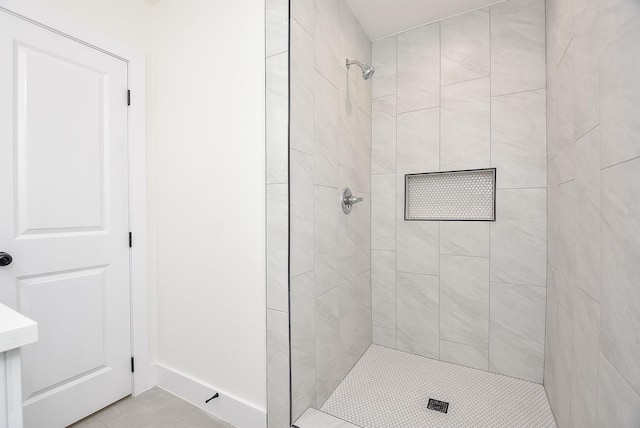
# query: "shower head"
367 70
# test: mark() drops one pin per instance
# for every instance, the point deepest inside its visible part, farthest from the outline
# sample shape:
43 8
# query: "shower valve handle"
348 200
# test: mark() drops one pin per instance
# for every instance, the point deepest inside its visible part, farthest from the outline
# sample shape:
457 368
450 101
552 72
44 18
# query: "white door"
64 218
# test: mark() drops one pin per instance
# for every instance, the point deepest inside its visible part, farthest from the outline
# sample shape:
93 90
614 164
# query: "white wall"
205 144
208 127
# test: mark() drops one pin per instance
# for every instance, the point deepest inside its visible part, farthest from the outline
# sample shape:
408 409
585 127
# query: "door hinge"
128 97
130 239
133 366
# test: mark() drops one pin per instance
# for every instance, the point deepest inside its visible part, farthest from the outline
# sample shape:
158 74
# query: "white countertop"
16 330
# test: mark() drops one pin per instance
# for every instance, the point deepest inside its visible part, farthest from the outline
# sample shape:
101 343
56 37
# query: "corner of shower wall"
330 148
277 221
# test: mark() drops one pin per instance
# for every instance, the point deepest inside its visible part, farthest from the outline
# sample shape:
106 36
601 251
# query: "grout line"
519 92
620 163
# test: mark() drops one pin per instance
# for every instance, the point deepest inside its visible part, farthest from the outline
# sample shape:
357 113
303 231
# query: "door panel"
64 218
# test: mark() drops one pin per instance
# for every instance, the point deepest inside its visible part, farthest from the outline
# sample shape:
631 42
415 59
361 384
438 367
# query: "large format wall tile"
418 141
518 139
619 84
518 237
465 125
383 212
464 238
418 68
586 344
565 279
587 221
277 26
326 122
586 106
328 345
350 307
383 288
276 118
618 403
620 297
465 47
303 12
418 246
326 38
383 138
325 234
384 61
465 355
517 46
277 369
418 318
301 207
517 317
301 95
464 300
303 337
277 250
363 233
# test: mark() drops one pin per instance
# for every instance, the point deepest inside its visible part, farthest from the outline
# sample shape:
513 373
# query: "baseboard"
232 409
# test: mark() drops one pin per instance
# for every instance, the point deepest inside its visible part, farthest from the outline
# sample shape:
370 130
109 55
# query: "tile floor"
390 389
155 408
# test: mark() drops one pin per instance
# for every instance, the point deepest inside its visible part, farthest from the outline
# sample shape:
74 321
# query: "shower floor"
391 389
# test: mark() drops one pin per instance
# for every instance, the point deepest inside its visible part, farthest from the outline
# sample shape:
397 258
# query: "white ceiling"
381 18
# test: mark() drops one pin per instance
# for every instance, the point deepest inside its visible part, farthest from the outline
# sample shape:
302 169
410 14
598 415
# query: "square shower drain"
438 406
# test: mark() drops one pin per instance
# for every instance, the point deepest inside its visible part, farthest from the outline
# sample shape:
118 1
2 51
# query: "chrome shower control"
348 200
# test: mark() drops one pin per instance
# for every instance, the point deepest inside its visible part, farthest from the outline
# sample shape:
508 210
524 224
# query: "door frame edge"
143 377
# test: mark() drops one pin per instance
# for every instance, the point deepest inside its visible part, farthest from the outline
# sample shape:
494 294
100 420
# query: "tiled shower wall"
467 92
330 148
592 370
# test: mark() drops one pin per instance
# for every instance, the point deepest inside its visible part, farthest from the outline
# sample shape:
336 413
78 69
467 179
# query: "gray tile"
465 120
464 355
384 336
383 217
277 368
586 107
418 319
562 410
516 346
464 300
277 26
618 403
465 46
326 122
277 247
565 120
418 247
586 345
327 319
277 98
363 233
303 340
518 237
365 297
566 256
350 307
518 139
559 29
307 401
517 46
384 61
462 238
90 422
418 141
587 221
301 212
325 241
313 418
383 288
303 12
418 68
326 38
383 153
619 53
301 87
620 297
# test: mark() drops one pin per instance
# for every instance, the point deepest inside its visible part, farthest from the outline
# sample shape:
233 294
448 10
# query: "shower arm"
353 61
